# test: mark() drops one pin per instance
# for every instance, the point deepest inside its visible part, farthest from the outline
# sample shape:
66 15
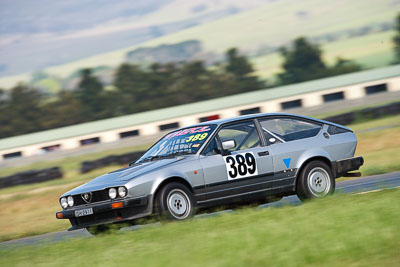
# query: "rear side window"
289 129
336 130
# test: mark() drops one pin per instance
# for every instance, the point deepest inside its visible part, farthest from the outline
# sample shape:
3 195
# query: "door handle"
264 153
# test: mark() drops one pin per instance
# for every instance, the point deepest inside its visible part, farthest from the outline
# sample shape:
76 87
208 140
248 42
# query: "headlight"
112 193
70 201
63 202
122 191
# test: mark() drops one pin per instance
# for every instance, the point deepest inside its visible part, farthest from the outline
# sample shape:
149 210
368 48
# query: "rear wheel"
315 181
175 202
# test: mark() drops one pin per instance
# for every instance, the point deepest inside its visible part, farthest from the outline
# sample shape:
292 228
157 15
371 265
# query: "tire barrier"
88 166
365 114
31 177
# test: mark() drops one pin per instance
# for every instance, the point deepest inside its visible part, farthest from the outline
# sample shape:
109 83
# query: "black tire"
175 202
315 181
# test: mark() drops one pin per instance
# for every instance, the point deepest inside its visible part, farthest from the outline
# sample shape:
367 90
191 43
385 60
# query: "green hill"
358 30
281 21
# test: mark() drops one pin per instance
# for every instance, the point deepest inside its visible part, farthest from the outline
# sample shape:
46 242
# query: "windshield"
180 142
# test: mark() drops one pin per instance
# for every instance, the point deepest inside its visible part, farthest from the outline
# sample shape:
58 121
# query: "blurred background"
87 86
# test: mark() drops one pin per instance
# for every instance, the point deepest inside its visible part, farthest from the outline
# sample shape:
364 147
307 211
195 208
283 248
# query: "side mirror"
272 140
228 144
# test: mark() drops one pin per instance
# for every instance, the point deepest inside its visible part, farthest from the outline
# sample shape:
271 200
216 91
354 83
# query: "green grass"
250 29
347 230
380 150
267 66
51 85
371 51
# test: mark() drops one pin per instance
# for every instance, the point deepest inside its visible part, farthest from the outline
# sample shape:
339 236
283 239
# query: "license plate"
83 212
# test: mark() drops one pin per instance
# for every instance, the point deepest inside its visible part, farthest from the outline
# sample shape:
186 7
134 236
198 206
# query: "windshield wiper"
181 153
150 158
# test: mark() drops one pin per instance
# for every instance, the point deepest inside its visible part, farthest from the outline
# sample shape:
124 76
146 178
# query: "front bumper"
342 167
104 213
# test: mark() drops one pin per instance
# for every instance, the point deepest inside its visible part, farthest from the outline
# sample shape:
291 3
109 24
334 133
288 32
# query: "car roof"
260 115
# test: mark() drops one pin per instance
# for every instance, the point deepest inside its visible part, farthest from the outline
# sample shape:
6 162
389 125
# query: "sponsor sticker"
193 130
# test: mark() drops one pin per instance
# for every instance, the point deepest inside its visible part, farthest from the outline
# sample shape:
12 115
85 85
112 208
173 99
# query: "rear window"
289 129
336 130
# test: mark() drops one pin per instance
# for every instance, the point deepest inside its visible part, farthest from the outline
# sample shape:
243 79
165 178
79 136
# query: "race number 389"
241 165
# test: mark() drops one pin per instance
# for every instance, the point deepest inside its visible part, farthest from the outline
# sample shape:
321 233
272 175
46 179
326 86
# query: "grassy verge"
380 150
347 230
28 210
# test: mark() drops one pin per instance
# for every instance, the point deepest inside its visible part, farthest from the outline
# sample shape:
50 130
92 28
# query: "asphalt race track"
361 185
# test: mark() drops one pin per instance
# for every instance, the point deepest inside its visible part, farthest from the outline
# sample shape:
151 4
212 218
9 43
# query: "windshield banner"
193 130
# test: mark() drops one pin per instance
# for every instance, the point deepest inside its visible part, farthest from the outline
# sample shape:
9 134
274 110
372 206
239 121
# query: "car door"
241 170
289 140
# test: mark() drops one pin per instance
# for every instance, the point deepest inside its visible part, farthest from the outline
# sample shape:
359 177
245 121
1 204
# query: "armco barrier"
367 113
30 177
88 166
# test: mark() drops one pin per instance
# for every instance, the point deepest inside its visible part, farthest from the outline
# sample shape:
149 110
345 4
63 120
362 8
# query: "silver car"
254 158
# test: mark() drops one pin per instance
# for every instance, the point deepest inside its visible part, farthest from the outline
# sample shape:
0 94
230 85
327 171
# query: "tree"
343 66
237 65
161 76
65 110
21 113
304 62
5 129
301 63
396 39
133 85
130 79
240 67
89 92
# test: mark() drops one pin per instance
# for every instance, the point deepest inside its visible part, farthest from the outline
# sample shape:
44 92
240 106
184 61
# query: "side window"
212 148
245 135
272 138
288 129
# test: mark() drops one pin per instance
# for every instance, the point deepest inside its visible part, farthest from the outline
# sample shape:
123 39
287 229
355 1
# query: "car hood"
121 176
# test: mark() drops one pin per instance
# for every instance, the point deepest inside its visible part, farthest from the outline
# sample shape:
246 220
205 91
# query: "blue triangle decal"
287 162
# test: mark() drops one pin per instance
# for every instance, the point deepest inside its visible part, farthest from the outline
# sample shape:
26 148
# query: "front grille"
97 196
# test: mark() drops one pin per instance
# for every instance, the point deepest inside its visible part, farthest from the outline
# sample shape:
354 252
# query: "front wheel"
315 181
175 202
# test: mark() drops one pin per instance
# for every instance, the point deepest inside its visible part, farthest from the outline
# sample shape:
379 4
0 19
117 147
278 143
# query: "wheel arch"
168 180
315 158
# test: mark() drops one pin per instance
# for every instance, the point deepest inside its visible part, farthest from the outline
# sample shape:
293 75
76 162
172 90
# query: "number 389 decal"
241 165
